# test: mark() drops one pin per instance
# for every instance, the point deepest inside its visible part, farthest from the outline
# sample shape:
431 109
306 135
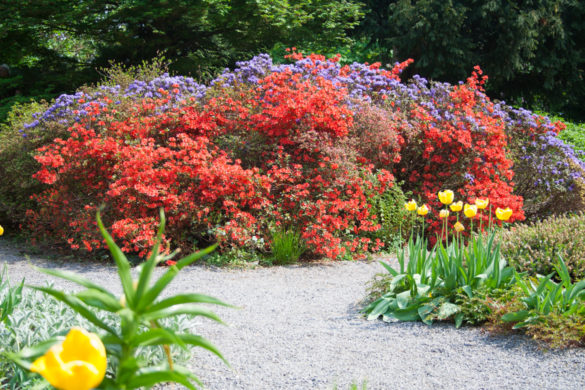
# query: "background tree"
533 51
53 46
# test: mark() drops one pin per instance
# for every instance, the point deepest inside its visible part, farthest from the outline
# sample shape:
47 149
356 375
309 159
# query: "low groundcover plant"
139 312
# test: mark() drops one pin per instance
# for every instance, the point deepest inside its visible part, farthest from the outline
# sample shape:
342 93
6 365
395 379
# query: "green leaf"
152 377
459 320
403 299
100 300
77 305
168 276
193 310
148 267
187 298
121 262
381 306
389 268
516 316
447 310
75 278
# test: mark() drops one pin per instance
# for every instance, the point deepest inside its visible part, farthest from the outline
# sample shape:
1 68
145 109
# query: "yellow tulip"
423 210
443 213
503 214
410 206
1 230
457 206
482 203
459 227
469 210
446 197
78 363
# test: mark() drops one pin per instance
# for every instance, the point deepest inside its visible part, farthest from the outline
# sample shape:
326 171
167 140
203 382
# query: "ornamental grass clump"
534 248
139 314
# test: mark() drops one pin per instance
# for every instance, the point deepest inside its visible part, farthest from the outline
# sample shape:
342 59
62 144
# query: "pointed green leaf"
75 278
193 310
121 262
187 298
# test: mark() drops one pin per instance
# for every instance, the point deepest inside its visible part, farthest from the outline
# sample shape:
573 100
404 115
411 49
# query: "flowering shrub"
302 146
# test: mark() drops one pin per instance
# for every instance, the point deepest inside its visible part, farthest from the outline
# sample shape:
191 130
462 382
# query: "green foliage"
530 50
55 46
574 135
543 297
138 317
535 247
426 288
396 222
286 247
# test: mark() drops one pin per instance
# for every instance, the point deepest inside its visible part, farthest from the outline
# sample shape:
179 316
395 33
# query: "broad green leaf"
516 316
458 320
403 299
380 308
447 310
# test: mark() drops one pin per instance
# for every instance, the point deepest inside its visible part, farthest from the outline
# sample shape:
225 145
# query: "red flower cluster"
175 160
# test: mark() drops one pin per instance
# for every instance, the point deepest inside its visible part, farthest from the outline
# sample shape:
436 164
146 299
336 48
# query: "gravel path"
299 327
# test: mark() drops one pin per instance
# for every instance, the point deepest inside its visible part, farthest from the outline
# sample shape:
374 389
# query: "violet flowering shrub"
549 173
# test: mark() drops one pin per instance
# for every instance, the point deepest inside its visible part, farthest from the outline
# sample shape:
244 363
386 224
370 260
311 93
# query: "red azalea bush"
169 159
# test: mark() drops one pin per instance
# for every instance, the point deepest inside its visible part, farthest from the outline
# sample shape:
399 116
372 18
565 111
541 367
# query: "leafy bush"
305 144
394 220
535 247
573 134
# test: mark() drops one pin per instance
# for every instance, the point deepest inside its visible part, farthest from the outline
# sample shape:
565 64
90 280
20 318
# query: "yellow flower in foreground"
503 214
423 210
79 363
459 227
443 213
469 210
482 203
410 206
457 206
446 197
1 230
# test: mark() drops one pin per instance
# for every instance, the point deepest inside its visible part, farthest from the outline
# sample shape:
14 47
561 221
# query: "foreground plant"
138 312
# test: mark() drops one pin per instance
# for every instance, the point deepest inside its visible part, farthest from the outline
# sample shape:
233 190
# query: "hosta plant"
139 314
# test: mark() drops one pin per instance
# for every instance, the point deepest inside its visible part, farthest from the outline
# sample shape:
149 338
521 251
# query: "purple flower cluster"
67 108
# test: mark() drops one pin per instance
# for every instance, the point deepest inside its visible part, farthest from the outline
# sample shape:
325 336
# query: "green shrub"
574 135
396 222
535 247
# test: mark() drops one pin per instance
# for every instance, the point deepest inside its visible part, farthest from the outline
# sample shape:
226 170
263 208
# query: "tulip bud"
459 227
443 213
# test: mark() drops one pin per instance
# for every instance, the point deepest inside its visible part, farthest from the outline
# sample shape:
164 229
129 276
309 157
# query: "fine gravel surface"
299 327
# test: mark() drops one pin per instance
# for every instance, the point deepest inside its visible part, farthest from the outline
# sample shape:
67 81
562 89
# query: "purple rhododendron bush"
307 147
